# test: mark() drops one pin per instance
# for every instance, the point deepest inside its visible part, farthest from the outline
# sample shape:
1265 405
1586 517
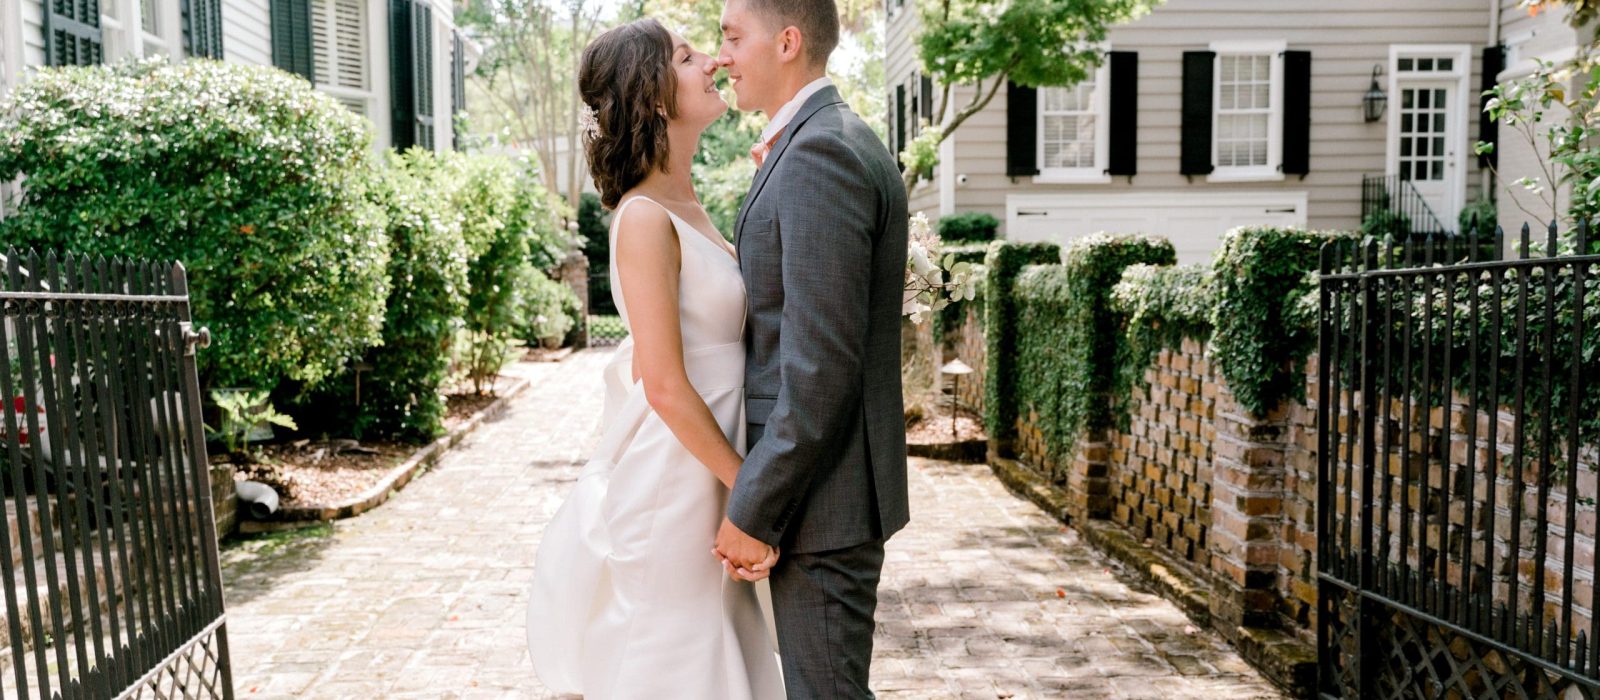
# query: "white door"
1428 156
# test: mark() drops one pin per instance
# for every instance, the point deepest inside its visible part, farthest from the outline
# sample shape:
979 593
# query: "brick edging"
424 458
1288 662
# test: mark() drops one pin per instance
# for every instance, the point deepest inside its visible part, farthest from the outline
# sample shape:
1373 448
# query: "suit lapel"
824 98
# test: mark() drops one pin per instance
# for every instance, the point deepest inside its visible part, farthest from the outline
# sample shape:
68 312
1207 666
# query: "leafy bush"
1161 306
549 310
1002 263
512 227
1482 214
1386 222
968 227
1260 342
594 224
402 395
1070 343
259 184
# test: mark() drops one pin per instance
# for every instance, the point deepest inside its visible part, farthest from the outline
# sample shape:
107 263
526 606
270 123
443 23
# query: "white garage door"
1193 221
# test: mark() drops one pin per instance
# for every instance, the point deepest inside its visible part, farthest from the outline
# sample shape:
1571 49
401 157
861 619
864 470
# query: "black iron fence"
1458 418
113 585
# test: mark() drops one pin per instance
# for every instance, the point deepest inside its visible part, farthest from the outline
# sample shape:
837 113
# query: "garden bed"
331 480
931 436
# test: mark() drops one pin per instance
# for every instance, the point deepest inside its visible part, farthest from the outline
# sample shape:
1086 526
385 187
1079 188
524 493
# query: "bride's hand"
758 571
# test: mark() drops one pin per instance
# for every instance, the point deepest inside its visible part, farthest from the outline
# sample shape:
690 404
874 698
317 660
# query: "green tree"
985 43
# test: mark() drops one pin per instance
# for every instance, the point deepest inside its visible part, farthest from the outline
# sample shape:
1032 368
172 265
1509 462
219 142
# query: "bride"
627 599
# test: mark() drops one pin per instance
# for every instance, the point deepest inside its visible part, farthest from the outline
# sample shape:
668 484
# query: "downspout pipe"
260 500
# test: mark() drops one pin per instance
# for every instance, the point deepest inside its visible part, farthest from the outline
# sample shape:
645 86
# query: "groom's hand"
744 557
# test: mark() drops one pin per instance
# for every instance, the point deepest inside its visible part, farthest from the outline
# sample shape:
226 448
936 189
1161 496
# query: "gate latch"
193 338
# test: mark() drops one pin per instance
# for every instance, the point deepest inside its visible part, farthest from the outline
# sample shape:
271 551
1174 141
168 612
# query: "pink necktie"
759 151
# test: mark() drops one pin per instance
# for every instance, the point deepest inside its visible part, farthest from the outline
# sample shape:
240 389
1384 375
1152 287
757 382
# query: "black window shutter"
1022 130
913 124
402 100
291 36
72 33
899 123
927 98
202 28
1494 61
1123 126
1296 112
422 56
1198 67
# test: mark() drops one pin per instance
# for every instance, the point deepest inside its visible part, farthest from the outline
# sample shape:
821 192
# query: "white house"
1208 114
400 63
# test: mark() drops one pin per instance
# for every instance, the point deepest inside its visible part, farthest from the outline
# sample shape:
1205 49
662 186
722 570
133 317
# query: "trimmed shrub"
1002 263
259 184
512 226
1070 342
550 310
968 227
1263 331
1161 305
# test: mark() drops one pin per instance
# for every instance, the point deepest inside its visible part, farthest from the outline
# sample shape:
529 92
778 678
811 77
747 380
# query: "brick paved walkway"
984 596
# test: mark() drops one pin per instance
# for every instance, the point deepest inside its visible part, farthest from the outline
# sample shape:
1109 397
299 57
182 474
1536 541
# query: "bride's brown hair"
626 78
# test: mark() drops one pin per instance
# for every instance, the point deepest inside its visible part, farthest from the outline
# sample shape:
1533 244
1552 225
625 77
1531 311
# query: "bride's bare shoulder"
644 227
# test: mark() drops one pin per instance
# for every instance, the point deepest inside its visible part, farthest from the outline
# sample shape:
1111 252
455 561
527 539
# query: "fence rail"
1457 424
113 584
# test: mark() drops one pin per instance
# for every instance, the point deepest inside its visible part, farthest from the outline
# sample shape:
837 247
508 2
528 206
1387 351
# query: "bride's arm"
648 261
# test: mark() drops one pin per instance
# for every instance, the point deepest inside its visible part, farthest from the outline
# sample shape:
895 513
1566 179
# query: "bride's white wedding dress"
627 599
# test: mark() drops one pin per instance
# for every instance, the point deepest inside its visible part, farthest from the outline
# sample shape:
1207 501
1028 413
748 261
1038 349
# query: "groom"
822 246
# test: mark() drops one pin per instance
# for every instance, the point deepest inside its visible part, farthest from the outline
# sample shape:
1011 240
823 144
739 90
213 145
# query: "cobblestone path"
983 595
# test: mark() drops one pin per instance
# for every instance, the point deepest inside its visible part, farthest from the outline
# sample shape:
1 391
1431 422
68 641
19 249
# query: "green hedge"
968 227
1264 330
259 184
402 394
1160 306
1002 263
1070 343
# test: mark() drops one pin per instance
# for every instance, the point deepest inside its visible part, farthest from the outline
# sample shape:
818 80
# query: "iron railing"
1392 206
1458 417
113 584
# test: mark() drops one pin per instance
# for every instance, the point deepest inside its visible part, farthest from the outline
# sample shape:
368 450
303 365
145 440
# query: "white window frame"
367 96
1095 174
1273 170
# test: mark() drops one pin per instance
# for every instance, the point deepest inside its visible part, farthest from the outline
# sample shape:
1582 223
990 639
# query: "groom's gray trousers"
823 605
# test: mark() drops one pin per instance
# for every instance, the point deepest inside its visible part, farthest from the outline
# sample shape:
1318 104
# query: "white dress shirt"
786 114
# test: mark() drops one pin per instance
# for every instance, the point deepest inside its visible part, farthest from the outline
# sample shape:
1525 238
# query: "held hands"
743 557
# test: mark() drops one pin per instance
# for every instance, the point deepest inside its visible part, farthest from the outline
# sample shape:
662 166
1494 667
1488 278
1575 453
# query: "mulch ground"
316 474
934 427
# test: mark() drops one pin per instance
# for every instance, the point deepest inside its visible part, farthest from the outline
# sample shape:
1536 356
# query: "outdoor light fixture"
1374 102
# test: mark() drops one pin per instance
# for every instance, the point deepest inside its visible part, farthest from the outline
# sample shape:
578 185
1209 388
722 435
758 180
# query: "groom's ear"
791 44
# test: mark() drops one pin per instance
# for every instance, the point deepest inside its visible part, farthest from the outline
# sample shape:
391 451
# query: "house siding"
900 61
1345 41
1546 36
247 32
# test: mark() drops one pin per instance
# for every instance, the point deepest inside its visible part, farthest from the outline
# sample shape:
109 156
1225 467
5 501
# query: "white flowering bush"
934 282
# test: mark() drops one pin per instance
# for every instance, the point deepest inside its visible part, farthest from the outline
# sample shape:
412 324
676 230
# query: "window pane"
147 15
1447 64
1405 64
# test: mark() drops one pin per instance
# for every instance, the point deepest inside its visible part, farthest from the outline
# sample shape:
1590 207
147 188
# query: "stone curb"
1285 660
965 451
424 458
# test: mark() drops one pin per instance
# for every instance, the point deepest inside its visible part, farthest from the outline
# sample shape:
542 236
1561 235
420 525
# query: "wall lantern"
1374 102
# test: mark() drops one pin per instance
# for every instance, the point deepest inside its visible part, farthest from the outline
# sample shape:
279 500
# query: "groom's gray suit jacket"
822 246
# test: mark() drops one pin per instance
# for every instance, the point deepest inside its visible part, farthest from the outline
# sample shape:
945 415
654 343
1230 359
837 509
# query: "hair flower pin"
589 123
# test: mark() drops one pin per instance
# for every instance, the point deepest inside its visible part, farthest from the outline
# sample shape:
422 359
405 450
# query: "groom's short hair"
817 20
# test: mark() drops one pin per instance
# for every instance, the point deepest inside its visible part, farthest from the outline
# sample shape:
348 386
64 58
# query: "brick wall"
1160 485
970 346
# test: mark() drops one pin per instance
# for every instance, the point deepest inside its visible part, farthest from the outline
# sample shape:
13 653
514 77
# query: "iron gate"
113 584
1458 411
